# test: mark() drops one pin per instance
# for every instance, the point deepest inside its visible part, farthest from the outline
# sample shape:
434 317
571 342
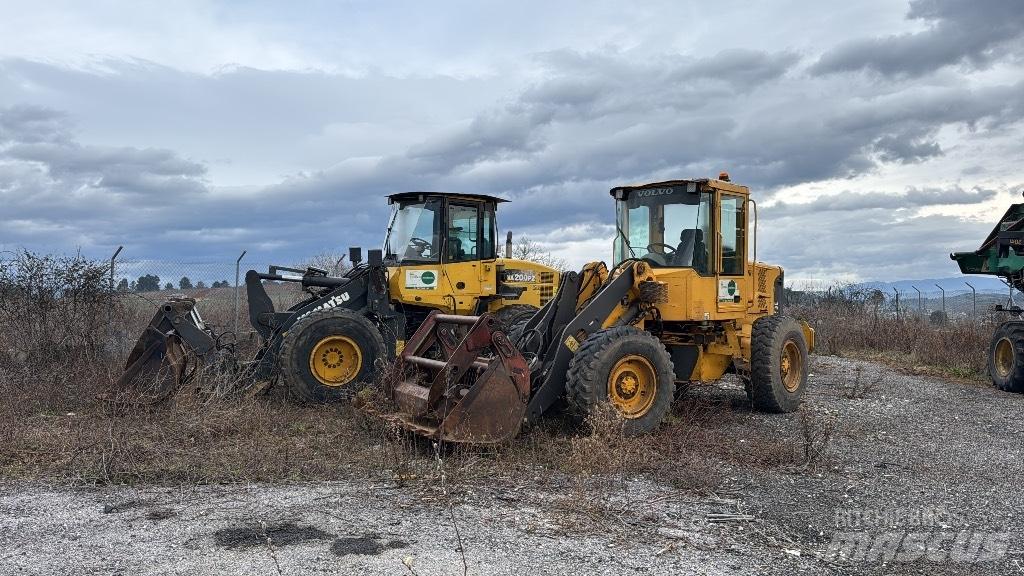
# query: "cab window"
734 239
487 243
414 235
463 232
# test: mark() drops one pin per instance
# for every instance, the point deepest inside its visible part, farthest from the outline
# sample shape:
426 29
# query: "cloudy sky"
877 136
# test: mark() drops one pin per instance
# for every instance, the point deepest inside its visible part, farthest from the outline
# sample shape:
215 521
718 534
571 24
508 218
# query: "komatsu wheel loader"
1002 255
683 303
440 254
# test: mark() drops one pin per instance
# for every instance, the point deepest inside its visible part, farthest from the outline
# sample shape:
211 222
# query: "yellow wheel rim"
632 385
792 366
1004 357
335 360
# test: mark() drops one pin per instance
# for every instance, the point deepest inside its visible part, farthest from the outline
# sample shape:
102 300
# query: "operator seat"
700 253
684 251
692 251
456 253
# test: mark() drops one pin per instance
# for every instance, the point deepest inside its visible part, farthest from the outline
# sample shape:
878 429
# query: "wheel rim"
1004 357
335 360
632 385
792 366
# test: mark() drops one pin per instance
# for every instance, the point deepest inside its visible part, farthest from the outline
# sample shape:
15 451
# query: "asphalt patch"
364 546
287 534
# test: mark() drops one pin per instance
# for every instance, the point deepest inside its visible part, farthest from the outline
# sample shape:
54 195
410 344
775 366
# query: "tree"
122 286
169 286
334 261
148 283
200 285
526 249
185 283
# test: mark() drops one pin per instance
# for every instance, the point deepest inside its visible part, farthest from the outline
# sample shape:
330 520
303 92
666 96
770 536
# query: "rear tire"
778 364
330 355
630 369
509 316
1006 357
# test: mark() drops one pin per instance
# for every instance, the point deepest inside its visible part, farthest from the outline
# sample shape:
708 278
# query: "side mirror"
355 255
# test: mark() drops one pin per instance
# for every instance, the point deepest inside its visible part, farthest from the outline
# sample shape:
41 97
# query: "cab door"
462 252
731 239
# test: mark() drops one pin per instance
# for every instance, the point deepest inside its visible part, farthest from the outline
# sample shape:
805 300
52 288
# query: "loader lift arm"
567 329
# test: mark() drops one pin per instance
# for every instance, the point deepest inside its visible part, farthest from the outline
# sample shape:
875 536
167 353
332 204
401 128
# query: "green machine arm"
1002 252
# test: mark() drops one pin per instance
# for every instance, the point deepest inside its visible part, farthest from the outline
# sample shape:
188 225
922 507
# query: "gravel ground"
913 455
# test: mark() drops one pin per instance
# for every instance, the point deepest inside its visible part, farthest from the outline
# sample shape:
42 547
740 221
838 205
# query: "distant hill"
984 284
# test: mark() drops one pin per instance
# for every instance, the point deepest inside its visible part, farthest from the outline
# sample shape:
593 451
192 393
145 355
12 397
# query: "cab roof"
712 182
400 196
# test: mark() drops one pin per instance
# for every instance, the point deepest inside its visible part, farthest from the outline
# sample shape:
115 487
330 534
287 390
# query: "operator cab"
440 227
674 224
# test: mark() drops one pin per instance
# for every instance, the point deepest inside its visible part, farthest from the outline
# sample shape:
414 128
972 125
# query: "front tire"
778 364
1005 361
330 355
628 368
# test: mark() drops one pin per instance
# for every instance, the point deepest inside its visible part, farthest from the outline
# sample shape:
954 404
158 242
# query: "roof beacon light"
723 176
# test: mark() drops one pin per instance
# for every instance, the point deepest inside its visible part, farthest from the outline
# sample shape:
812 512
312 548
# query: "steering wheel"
671 249
420 244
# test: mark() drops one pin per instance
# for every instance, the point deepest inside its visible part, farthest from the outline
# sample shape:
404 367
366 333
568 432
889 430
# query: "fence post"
920 306
238 264
974 300
943 290
110 308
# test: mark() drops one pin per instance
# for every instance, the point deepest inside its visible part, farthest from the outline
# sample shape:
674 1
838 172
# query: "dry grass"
846 325
55 366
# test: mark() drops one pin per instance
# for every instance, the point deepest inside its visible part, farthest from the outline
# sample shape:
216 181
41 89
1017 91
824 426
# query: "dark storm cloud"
912 199
587 120
970 32
57 191
571 136
867 243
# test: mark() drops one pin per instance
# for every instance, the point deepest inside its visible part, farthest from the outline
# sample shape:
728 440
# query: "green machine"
1002 254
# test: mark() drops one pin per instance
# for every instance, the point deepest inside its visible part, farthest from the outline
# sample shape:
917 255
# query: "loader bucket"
156 366
476 394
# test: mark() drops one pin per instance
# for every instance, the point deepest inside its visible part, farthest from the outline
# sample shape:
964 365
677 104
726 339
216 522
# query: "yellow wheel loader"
440 255
683 303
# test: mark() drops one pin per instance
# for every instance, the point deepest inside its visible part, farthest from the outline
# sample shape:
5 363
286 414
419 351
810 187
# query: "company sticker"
728 291
421 279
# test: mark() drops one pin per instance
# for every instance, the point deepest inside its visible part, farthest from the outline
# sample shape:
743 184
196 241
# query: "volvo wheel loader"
440 255
683 303
1002 255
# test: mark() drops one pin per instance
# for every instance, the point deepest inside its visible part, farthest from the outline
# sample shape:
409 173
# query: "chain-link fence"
933 303
218 286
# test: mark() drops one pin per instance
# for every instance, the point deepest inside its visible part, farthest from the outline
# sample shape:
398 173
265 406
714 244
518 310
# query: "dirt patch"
288 534
160 514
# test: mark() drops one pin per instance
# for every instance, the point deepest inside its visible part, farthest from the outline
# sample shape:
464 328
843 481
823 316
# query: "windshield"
414 235
667 227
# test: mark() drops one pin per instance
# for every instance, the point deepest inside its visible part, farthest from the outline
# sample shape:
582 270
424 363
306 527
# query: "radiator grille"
546 292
